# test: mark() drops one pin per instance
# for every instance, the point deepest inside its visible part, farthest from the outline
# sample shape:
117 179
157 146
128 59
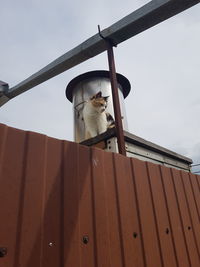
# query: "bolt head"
85 239
3 251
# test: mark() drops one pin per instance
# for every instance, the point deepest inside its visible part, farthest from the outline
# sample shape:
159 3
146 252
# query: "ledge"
136 140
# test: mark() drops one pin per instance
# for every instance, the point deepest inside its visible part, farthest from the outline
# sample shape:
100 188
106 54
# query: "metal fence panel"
64 204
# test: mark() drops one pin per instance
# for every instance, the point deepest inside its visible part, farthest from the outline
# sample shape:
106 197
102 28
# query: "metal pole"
116 103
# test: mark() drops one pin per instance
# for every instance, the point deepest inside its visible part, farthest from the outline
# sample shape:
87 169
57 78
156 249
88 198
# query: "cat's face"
99 102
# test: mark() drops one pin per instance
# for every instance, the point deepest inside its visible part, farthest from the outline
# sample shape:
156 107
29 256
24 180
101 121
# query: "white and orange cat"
95 117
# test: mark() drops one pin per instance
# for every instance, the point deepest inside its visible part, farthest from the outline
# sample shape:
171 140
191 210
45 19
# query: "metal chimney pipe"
82 87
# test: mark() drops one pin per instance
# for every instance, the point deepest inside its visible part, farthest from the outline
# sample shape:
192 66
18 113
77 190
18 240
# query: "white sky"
161 63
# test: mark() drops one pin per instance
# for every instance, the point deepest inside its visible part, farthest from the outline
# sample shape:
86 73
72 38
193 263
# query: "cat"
96 119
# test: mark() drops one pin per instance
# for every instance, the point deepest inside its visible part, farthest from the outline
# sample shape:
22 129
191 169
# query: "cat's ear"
98 95
106 98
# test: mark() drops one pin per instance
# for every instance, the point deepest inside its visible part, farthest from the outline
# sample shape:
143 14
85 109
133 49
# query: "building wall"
63 204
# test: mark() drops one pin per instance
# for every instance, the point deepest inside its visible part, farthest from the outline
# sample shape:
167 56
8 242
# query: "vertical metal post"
116 103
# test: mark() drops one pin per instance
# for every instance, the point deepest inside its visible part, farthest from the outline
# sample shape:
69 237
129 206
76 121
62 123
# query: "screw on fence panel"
135 234
3 251
85 239
167 231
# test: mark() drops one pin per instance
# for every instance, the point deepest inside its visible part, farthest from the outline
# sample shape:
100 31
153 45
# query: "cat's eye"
102 105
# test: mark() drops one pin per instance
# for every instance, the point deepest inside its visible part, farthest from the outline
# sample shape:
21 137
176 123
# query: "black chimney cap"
123 81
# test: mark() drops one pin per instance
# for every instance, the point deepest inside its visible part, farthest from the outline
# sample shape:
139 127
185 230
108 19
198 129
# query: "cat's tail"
110 121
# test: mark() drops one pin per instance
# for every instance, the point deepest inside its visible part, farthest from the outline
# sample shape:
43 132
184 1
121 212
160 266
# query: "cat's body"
96 119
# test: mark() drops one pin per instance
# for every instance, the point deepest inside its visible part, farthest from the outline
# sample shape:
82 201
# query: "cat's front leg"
93 133
87 135
102 128
102 123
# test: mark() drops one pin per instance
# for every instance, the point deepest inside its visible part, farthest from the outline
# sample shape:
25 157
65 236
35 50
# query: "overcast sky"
162 64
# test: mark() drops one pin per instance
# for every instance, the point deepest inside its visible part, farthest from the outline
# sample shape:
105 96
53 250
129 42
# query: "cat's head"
99 102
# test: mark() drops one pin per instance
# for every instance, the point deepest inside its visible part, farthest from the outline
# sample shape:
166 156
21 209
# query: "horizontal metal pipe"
145 17
195 165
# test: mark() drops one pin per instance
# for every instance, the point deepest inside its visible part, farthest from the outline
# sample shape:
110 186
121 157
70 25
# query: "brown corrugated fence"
67 205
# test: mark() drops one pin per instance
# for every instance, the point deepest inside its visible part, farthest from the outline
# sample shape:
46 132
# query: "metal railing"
138 21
